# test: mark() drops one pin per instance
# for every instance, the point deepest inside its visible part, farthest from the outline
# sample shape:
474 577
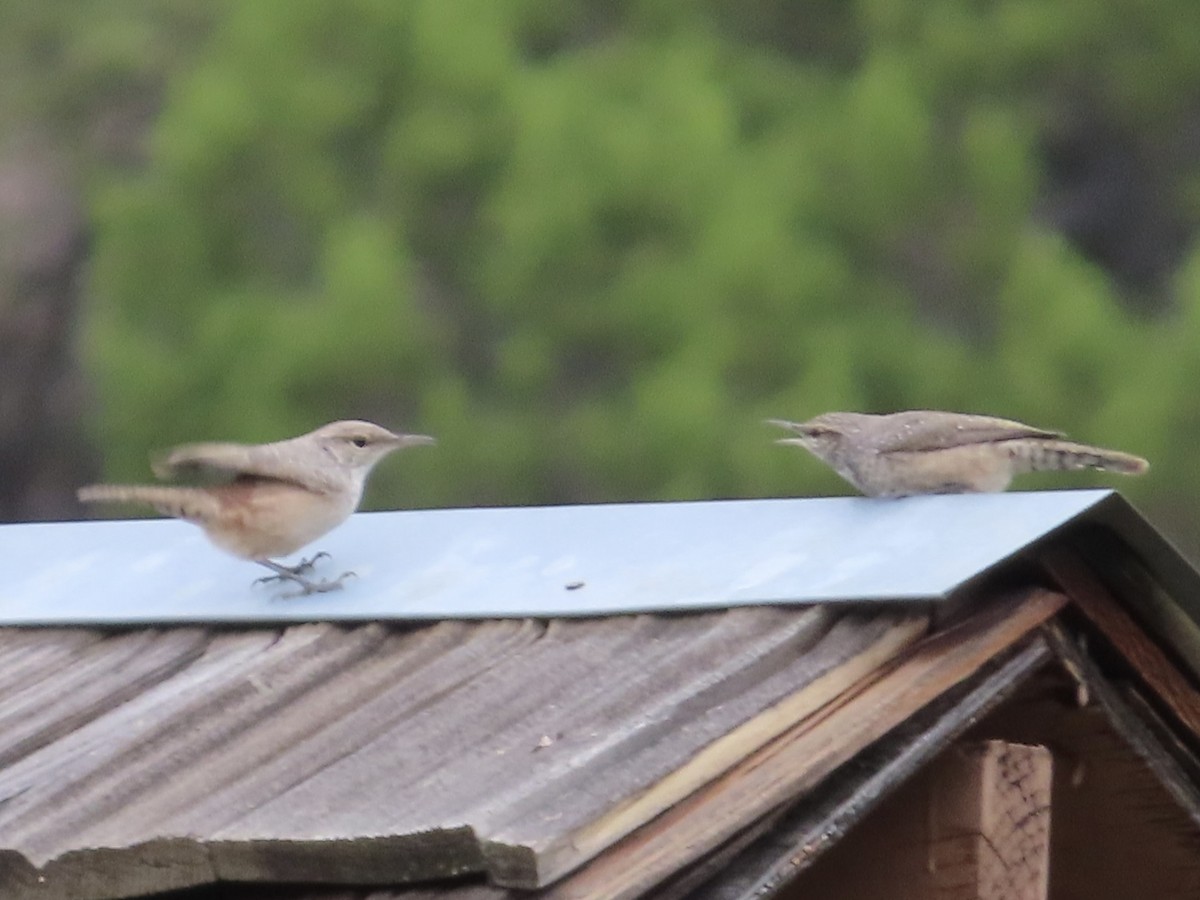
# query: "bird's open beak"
796 427
782 423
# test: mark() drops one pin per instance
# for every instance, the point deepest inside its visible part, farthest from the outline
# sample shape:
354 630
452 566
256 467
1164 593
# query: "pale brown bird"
929 452
276 499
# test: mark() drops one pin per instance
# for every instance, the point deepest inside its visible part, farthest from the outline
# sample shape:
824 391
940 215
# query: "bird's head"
822 436
358 445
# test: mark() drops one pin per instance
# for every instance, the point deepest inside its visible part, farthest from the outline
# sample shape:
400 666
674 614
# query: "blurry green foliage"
591 245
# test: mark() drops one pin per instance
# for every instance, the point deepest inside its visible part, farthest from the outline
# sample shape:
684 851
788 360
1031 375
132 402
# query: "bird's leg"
293 574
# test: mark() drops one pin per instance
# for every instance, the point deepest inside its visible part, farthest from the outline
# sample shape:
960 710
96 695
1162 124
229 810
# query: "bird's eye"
359 441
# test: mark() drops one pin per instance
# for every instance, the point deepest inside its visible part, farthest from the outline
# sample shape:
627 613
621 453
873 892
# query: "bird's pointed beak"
795 442
415 440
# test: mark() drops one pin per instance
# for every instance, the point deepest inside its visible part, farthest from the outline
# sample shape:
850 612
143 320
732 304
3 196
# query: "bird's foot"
289 573
316 587
307 565
295 574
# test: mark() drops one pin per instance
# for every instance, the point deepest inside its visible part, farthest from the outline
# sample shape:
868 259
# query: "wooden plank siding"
645 862
377 754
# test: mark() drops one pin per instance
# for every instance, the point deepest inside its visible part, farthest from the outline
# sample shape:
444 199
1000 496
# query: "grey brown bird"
929 452
274 498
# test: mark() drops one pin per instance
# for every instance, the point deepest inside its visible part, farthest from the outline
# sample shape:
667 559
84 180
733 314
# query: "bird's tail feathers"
1063 456
192 504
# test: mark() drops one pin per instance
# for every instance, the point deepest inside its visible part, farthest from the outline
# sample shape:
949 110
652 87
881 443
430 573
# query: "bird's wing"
916 431
276 461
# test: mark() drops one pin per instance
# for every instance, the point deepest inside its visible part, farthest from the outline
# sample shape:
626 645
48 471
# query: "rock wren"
277 497
925 452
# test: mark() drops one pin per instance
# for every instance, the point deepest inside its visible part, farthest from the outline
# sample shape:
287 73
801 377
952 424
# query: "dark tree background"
591 245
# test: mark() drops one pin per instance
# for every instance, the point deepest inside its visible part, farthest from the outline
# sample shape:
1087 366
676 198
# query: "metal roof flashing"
560 561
